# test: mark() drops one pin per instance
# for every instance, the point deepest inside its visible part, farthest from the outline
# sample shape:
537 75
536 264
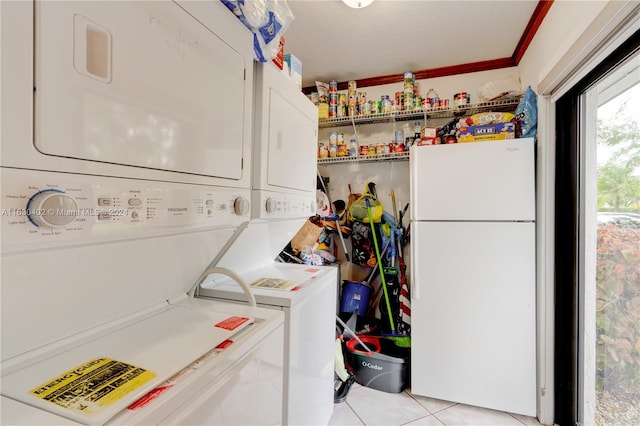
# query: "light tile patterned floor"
365 406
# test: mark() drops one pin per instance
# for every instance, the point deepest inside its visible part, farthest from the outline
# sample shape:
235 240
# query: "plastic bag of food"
323 92
266 38
526 116
255 12
482 118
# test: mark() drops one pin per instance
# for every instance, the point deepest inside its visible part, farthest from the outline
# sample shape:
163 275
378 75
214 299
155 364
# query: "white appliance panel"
285 133
167 344
473 181
290 132
258 244
309 331
16 413
106 89
473 314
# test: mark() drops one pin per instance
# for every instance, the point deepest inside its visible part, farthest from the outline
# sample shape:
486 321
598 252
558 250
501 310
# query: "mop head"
400 341
339 367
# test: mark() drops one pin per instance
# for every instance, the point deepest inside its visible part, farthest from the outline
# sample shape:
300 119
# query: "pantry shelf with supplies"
391 156
498 105
380 150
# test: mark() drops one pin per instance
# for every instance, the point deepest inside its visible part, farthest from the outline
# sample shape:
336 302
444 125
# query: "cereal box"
487 132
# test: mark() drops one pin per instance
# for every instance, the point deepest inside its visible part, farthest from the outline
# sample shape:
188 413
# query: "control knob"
241 206
51 208
271 205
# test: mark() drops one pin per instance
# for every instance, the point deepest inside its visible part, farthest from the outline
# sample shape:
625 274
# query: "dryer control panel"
276 205
44 209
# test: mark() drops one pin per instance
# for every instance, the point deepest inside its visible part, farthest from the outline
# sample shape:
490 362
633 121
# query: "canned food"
333 99
372 150
341 110
386 104
364 149
380 148
399 147
351 86
375 107
333 138
323 151
461 99
340 138
444 103
409 80
333 86
333 111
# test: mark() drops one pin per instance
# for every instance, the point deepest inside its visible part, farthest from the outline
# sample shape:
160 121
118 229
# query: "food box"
295 69
428 136
487 132
279 58
323 111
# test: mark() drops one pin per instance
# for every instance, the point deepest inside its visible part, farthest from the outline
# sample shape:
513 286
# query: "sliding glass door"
598 246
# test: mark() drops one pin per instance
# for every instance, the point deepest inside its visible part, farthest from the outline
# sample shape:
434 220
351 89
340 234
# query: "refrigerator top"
478 181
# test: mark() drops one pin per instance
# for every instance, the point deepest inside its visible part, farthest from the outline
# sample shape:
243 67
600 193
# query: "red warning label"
232 323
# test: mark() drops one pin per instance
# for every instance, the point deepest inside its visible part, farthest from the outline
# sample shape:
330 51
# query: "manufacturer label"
94 385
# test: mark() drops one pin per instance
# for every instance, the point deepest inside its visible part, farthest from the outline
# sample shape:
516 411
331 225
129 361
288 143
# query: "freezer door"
473 181
473 314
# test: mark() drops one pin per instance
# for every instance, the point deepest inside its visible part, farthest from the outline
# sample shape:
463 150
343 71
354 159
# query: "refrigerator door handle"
415 284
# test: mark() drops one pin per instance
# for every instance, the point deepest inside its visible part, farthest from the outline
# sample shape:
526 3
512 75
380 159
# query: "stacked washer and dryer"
126 145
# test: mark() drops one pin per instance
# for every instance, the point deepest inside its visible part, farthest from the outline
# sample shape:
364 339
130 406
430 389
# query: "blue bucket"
355 295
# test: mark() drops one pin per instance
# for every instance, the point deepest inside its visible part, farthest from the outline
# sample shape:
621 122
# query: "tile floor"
366 406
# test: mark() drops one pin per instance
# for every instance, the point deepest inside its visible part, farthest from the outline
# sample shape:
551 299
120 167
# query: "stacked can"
461 99
342 105
386 103
363 106
333 99
409 85
352 99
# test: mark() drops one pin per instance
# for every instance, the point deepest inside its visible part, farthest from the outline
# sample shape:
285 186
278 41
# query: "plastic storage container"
385 367
355 295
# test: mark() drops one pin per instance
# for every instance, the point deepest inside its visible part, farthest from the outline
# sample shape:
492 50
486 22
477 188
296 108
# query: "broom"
402 341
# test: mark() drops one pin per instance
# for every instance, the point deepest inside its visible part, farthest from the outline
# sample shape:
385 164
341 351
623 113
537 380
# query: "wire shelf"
499 105
392 156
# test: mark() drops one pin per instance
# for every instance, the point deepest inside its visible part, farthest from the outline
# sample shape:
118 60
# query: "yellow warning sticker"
273 283
90 387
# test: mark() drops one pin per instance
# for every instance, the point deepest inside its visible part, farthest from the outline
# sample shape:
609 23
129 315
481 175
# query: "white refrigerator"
473 274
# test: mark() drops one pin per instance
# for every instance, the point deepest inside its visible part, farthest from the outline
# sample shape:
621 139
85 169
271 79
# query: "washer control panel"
43 207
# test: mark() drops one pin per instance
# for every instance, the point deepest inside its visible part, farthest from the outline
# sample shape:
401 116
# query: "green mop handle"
384 283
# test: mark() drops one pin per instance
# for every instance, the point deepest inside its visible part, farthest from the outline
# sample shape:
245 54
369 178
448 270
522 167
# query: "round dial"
241 206
270 205
51 208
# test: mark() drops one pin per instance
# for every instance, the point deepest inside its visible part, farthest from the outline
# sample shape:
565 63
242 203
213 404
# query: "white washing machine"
108 217
308 300
283 198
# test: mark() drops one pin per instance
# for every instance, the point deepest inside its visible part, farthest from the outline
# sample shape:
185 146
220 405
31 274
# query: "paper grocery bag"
306 236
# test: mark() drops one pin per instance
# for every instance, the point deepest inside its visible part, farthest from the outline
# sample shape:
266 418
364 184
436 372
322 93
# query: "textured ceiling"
335 42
